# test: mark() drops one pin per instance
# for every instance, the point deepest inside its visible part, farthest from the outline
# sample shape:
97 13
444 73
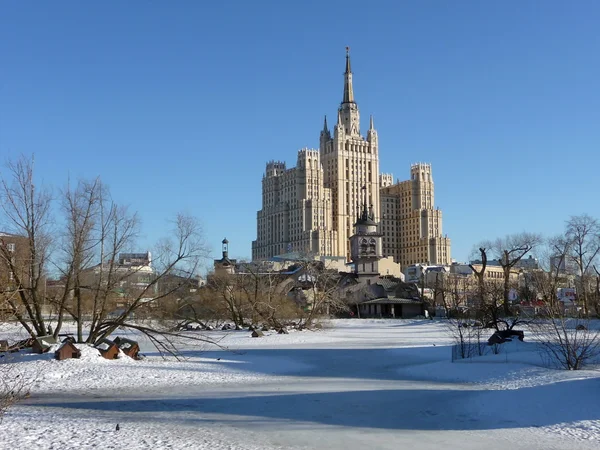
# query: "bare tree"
15 383
91 282
583 233
480 276
225 287
258 295
553 256
467 336
509 251
26 213
96 231
569 343
320 285
596 293
264 294
197 307
182 253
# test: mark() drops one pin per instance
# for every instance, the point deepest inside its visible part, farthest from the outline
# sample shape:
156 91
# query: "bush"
567 343
14 384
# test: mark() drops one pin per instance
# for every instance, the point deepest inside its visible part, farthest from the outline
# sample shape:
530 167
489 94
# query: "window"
10 247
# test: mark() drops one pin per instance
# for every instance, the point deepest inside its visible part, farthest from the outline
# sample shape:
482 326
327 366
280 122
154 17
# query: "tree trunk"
506 293
79 312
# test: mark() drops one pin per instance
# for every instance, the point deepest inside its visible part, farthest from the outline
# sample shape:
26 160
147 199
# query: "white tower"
365 244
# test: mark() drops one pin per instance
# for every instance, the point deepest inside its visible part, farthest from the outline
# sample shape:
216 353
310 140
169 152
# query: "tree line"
498 273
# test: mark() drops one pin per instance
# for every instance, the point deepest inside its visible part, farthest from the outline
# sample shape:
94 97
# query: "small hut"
42 344
67 350
127 346
4 346
257 333
108 349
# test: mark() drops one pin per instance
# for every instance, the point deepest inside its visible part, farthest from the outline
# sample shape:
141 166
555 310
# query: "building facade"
297 210
411 225
312 208
16 268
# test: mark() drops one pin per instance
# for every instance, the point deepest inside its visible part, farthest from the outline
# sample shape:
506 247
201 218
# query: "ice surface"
354 385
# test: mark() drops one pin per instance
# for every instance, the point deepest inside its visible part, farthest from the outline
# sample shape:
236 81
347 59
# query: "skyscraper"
312 208
350 163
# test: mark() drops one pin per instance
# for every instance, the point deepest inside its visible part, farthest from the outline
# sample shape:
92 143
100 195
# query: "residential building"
529 263
135 259
564 265
15 270
350 165
14 258
136 274
312 207
423 274
411 225
297 210
493 272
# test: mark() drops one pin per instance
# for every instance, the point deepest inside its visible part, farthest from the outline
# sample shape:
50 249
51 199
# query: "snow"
355 384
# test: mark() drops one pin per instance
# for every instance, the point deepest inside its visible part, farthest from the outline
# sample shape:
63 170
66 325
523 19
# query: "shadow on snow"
391 409
371 363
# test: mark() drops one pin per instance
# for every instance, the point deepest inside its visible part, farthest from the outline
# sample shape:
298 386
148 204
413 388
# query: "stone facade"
312 208
365 244
411 226
297 210
15 261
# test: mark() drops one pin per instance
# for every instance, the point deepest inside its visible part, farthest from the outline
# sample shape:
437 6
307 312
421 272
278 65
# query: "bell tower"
224 265
366 245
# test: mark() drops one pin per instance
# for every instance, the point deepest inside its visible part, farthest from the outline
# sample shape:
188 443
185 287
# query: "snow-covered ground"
373 384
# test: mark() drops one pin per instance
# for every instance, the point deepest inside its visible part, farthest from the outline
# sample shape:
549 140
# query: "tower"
224 265
225 248
350 163
365 243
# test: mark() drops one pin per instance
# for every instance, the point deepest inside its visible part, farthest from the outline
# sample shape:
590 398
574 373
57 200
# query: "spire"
325 128
366 216
371 127
365 211
339 122
348 69
348 92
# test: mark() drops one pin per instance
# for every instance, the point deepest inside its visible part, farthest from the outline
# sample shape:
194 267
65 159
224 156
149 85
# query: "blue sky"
178 105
